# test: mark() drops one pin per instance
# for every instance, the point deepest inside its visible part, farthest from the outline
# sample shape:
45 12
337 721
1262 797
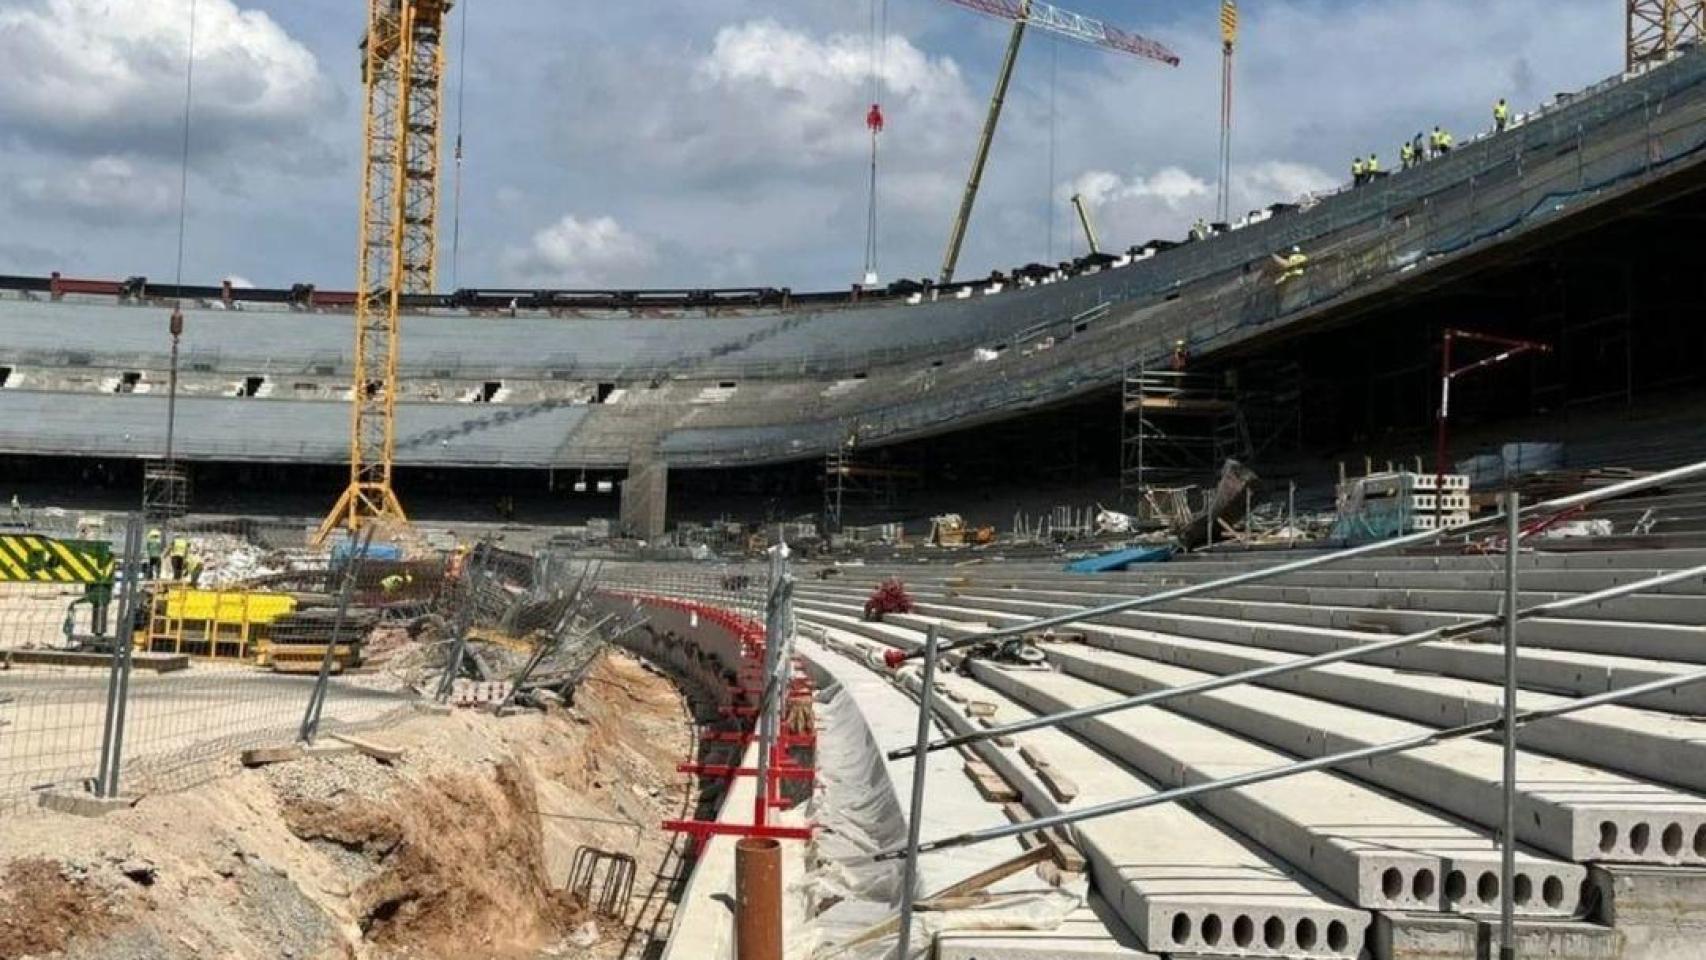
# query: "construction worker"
1501 116
192 569
1356 172
177 555
156 546
1417 150
1406 156
1291 265
1181 354
17 510
393 585
1371 170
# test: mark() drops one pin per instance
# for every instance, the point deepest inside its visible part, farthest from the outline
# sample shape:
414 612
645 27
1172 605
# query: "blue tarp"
345 549
1120 559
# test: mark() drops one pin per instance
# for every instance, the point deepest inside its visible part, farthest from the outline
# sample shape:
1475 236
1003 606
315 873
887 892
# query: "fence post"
1507 892
926 714
118 679
317 697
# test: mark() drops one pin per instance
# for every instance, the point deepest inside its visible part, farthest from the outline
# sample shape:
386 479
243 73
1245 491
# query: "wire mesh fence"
148 666
137 660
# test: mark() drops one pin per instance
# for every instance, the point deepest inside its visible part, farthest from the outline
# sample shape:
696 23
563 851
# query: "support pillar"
645 499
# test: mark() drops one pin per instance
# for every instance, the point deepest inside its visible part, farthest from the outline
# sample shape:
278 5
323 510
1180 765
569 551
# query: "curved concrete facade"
85 375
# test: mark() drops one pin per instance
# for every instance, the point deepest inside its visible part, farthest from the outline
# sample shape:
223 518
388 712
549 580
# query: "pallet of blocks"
298 642
1395 503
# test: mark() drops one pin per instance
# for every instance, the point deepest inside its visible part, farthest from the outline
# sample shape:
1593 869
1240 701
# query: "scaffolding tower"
1177 427
165 492
851 482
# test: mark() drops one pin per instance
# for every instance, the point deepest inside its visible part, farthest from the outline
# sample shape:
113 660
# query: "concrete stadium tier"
756 385
1406 842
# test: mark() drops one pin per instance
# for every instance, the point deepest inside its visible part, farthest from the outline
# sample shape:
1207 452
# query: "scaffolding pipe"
895 658
1448 632
1480 728
909 875
1507 840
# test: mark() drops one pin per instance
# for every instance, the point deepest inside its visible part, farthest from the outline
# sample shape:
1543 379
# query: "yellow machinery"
218 624
403 58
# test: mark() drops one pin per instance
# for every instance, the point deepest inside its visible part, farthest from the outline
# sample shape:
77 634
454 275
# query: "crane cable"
184 160
1053 86
874 122
456 202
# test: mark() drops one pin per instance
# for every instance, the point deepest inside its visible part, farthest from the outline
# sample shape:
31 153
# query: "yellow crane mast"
1657 27
403 60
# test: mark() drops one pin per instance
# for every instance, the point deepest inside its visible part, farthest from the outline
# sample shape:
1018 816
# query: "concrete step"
1554 671
1375 850
1181 881
1575 811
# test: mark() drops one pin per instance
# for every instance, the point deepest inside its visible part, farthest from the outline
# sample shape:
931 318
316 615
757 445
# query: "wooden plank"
261 756
378 751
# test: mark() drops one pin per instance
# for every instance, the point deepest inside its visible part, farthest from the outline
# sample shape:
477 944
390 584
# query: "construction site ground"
460 847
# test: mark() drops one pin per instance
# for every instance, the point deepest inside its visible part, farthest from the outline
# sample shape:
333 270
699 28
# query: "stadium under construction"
1327 583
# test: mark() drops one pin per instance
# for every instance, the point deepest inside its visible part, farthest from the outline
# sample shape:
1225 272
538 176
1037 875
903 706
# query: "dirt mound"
461 846
44 908
453 862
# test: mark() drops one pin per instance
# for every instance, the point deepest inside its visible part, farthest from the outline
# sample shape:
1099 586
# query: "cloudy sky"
719 142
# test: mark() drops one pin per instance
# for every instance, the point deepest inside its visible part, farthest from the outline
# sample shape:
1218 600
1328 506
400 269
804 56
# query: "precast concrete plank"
1566 672
1371 848
1183 882
1577 812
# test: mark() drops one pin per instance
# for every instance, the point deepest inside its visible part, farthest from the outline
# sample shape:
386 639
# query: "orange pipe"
758 899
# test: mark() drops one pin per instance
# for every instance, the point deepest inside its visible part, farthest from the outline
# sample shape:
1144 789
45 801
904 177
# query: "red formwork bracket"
724 771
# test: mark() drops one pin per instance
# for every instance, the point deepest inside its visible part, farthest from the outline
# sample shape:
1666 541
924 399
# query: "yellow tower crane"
403 58
1657 27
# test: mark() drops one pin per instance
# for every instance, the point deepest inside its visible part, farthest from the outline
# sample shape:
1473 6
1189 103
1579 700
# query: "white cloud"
1164 203
104 191
82 73
576 252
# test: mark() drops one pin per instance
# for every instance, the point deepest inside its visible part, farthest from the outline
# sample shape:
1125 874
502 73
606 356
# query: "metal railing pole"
1156 697
1560 504
1507 885
915 815
106 775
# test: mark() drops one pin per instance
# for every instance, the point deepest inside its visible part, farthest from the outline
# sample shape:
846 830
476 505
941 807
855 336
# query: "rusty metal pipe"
758 899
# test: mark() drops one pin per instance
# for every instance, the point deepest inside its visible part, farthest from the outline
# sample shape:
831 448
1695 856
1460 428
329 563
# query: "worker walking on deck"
1501 115
156 546
1417 149
1356 172
178 555
1406 156
1371 170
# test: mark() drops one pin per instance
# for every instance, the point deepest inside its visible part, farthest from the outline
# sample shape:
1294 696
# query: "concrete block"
1397 935
1555 940
1659 911
80 804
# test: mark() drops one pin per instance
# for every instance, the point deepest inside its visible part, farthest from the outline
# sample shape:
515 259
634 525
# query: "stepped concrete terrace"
1397 856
